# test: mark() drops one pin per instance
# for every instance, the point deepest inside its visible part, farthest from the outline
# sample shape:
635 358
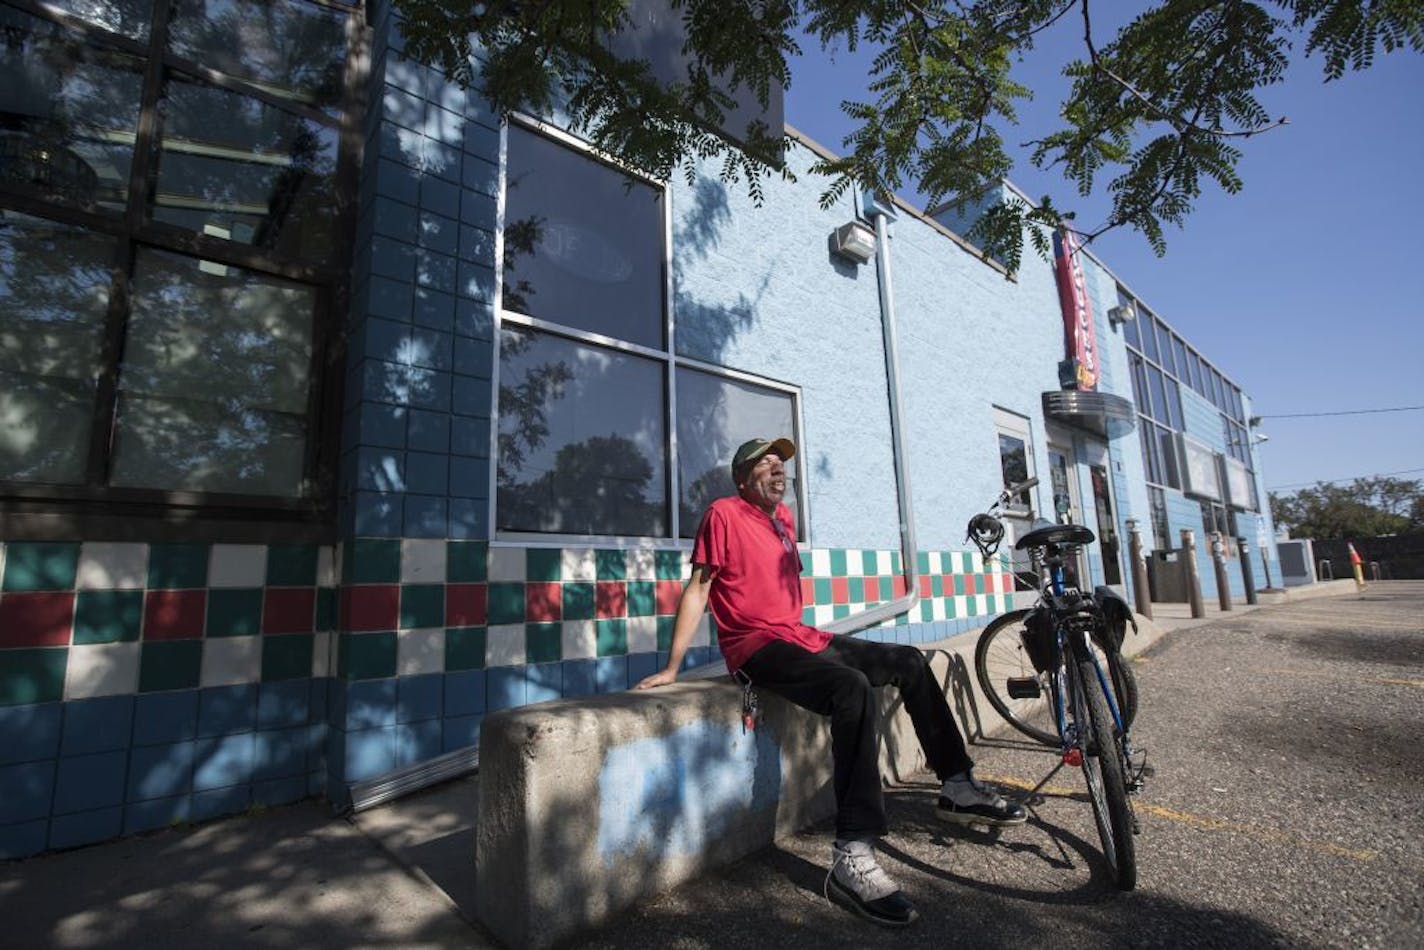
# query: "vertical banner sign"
1079 336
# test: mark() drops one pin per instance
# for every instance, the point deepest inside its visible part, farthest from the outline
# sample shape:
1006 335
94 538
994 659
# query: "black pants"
840 682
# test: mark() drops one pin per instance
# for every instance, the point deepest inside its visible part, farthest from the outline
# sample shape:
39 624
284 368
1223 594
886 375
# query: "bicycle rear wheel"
1104 773
999 656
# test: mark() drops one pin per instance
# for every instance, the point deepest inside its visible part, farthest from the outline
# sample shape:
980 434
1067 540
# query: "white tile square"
824 614
820 562
642 634
937 562
507 564
884 563
961 606
420 651
323 659
111 565
578 564
327 557
580 640
231 661
422 561
505 645
101 669
642 565
238 565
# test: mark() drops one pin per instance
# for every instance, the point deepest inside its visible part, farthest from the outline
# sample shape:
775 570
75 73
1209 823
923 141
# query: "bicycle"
1054 671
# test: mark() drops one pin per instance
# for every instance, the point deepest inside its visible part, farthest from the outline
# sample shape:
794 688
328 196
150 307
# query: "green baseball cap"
753 449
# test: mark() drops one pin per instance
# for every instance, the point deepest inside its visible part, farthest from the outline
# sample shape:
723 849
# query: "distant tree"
1155 108
1366 508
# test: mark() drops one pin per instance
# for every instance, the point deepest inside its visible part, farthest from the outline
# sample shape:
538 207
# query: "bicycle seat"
1056 534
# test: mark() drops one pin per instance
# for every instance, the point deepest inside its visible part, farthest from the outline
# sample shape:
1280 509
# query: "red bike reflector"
1074 758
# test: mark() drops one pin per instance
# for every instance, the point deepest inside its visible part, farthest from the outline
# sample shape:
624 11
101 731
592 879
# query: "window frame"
99 511
668 358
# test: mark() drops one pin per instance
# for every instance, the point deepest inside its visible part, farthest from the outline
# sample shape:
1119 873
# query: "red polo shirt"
756 584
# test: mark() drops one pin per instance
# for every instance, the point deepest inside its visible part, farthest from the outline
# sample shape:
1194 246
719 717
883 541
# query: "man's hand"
660 678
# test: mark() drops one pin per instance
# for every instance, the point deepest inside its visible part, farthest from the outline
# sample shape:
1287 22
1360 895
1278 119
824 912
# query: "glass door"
1067 506
1107 525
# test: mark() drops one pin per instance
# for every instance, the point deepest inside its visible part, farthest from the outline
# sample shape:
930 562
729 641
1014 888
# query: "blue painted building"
336 413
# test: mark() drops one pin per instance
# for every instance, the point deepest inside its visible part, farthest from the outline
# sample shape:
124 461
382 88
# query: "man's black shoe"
856 881
965 801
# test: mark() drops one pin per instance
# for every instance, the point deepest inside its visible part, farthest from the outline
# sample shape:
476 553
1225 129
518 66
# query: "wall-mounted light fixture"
854 241
1123 313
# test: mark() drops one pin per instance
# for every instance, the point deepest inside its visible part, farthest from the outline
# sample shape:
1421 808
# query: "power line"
1332 481
1343 412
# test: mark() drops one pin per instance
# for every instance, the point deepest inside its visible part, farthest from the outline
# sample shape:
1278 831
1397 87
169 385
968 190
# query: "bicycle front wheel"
1104 773
1000 655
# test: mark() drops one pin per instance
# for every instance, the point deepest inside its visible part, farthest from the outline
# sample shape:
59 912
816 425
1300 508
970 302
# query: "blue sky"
1305 287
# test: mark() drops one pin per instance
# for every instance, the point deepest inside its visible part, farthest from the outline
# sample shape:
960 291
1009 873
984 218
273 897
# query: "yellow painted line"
1210 824
1387 680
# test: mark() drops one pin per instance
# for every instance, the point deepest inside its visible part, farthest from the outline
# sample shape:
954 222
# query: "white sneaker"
857 881
966 800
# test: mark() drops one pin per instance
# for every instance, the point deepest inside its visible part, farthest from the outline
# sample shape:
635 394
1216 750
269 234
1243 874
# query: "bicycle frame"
1056 585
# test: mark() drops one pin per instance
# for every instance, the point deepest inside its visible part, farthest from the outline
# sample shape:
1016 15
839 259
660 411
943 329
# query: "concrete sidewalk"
400 875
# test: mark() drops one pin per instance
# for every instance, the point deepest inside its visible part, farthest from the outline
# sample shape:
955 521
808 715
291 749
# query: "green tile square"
665 625
578 602
922 562
838 563
40 565
839 611
822 588
543 564
937 585
991 603
926 610
856 588
287 657
291 565
107 616
887 588
544 642
612 637
367 656
950 611
175 566
32 676
611 565
895 563
171 664
869 561
959 585
235 613
466 562
422 605
642 598
967 560
808 616
326 602
465 648
668 565
372 561
506 603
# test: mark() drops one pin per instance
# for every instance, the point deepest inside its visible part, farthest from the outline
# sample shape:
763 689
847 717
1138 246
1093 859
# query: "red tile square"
974 584
900 587
288 609
808 590
991 583
465 605
370 607
36 620
610 600
840 590
543 602
174 614
669 593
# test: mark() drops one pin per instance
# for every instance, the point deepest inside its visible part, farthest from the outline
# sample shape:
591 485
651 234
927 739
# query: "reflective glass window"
582 439
68 112
1179 354
54 297
715 415
237 168
1149 336
1159 394
215 380
129 18
584 243
292 49
1174 404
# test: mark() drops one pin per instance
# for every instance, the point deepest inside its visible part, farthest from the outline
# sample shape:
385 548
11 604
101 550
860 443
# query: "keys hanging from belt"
751 707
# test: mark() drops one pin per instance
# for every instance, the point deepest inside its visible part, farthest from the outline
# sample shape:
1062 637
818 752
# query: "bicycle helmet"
986 532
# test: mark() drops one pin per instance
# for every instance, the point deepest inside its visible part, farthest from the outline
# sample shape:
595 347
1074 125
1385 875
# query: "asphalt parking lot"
1285 810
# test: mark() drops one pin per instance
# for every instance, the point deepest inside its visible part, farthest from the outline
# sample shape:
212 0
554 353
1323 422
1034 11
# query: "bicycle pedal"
1023 687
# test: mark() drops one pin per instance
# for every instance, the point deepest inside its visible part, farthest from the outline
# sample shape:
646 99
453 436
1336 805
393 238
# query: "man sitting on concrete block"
745 564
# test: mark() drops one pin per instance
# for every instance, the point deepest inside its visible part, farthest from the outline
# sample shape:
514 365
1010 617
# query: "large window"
603 430
1161 364
170 252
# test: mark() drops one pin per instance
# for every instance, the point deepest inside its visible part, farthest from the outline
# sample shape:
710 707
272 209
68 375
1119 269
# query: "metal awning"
1104 414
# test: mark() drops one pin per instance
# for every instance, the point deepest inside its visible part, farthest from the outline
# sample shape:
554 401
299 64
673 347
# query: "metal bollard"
1140 594
1374 570
1324 571
1189 564
1247 577
1218 561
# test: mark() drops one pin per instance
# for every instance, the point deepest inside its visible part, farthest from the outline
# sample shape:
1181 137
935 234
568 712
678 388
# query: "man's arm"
690 607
